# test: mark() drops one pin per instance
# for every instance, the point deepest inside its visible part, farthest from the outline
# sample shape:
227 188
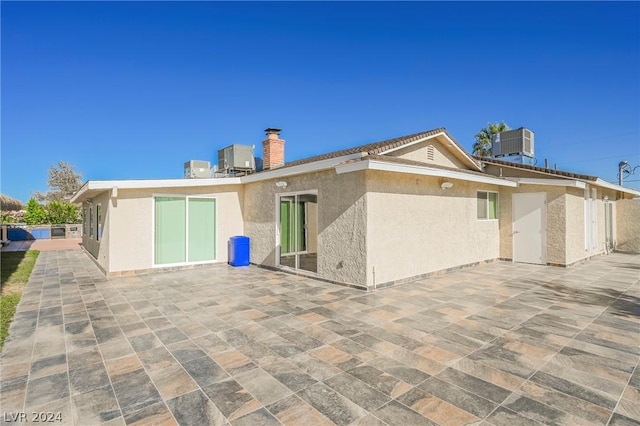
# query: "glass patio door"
185 230
298 230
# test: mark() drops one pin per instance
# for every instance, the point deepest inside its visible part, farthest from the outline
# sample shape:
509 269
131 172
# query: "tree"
63 183
35 214
482 146
62 212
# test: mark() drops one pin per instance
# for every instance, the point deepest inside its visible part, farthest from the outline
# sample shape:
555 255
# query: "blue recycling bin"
239 251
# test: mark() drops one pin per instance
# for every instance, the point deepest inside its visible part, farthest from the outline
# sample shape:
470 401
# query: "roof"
381 147
399 160
537 169
401 165
594 180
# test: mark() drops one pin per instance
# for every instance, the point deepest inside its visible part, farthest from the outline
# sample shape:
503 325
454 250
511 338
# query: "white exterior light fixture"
446 185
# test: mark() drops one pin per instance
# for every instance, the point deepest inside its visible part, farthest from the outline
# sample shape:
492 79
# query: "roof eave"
94 187
367 164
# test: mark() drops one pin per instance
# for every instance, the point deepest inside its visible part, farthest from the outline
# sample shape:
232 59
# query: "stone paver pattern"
497 344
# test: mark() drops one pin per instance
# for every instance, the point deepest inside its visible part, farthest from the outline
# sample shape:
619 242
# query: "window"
85 219
99 221
487 205
90 222
185 230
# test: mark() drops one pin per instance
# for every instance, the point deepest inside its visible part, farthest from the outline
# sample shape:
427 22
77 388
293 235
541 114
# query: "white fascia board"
300 169
104 185
420 170
79 192
451 143
609 185
550 182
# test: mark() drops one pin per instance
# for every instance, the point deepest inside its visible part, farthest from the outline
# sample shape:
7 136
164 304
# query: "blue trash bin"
239 251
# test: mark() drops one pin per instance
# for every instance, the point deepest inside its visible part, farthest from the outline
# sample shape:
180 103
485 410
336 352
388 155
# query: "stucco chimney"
272 150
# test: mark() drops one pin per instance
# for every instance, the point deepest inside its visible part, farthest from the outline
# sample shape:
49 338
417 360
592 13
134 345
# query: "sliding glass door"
170 230
298 230
185 230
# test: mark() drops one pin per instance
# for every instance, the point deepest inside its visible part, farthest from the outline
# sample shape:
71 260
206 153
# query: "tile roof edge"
561 173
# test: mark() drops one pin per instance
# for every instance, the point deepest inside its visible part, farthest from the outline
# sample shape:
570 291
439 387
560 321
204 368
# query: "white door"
530 228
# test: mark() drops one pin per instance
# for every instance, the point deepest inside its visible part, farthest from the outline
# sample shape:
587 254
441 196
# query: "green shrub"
35 213
61 212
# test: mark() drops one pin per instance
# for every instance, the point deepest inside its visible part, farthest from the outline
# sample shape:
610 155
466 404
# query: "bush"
35 214
62 212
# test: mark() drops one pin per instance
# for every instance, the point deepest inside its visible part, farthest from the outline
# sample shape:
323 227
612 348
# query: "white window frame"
90 220
186 222
98 221
487 205
85 221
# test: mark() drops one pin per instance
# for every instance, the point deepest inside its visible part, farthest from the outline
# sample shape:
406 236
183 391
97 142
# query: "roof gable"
389 145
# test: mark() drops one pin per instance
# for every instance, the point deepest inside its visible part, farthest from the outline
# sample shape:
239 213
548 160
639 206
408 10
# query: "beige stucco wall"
131 223
628 225
414 227
565 222
441 155
98 249
341 222
575 226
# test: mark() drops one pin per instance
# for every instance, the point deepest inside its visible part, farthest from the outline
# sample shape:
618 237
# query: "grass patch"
8 305
15 270
16 266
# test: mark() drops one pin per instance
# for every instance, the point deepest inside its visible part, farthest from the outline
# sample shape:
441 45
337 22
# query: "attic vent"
430 152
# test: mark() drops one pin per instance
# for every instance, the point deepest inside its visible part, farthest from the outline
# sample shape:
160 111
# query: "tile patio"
498 344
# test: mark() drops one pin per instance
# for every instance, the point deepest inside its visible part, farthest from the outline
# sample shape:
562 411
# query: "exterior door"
296 242
529 228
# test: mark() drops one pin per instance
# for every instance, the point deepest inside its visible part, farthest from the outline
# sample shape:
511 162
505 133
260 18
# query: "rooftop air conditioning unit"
236 158
194 169
512 142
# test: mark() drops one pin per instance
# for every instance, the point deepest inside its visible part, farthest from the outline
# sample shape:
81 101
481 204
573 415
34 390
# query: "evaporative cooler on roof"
512 142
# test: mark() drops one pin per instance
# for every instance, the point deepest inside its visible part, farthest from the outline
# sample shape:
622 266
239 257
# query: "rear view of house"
369 216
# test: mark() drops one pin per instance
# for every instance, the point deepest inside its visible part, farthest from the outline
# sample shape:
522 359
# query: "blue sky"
132 90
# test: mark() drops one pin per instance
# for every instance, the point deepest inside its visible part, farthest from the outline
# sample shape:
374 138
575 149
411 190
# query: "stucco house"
369 216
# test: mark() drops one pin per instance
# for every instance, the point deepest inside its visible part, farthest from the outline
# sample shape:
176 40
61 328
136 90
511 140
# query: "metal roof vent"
430 152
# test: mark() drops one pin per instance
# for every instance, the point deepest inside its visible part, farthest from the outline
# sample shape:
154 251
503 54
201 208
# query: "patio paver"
501 343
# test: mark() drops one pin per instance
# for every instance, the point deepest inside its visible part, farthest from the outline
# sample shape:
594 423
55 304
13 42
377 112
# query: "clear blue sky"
130 90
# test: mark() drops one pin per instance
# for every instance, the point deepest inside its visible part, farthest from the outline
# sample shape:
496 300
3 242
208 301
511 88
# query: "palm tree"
482 146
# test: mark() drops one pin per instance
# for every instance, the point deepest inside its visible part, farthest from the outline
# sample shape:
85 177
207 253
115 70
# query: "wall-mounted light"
446 185
606 198
281 184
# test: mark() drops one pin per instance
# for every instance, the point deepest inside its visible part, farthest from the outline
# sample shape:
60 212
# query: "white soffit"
550 182
609 185
420 170
93 187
